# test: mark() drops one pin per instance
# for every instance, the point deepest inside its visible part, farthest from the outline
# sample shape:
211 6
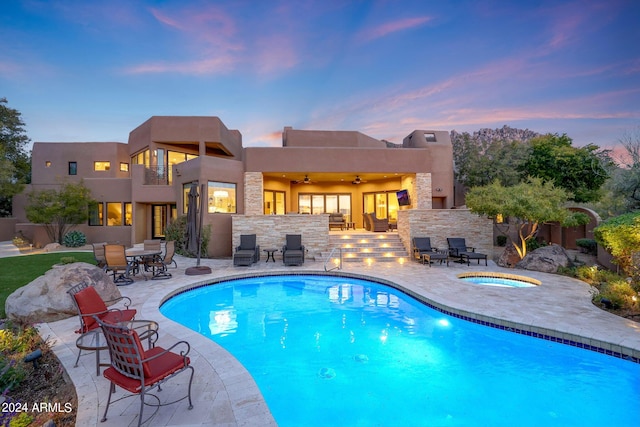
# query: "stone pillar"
253 193
423 192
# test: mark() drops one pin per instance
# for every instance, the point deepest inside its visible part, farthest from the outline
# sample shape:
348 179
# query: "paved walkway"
225 394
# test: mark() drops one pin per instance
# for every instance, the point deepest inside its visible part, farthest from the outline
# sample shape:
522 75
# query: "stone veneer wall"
253 193
423 192
270 230
438 224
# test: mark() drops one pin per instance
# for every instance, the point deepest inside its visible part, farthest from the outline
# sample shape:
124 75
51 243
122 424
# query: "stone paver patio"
226 395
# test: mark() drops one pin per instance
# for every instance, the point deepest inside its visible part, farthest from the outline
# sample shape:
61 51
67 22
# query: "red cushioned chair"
89 304
138 370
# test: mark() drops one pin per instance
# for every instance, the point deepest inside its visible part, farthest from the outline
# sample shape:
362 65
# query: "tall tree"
529 204
627 183
581 171
15 159
59 210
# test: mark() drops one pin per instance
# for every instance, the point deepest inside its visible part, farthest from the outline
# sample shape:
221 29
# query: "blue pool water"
334 351
498 281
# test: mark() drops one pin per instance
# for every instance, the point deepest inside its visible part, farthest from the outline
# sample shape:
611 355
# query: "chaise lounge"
423 252
458 249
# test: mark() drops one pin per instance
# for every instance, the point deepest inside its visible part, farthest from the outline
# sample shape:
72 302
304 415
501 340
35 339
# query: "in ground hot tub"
499 279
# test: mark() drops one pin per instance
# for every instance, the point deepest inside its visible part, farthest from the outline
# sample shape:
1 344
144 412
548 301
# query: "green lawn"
17 271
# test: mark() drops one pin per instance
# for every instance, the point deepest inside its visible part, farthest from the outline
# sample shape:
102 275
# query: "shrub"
501 240
588 246
74 239
15 343
67 260
621 237
177 231
618 294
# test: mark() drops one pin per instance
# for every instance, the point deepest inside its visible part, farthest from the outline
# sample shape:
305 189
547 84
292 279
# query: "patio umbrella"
194 228
192 220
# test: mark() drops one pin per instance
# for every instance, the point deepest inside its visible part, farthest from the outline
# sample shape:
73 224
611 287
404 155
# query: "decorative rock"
46 299
546 259
52 247
509 257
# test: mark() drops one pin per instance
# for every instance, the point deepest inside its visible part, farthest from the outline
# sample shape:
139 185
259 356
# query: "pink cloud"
392 27
218 65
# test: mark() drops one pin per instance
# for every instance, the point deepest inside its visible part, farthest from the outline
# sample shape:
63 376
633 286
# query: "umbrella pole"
198 269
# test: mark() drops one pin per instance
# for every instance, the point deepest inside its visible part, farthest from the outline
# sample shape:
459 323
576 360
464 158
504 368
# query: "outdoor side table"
270 254
95 341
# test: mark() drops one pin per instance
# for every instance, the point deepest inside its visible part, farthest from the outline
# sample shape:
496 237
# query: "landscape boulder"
546 259
509 257
46 299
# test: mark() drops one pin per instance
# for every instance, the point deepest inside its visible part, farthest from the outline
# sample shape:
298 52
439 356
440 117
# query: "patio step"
368 247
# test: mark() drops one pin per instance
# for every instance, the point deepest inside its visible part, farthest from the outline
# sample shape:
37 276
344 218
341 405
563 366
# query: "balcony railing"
157 175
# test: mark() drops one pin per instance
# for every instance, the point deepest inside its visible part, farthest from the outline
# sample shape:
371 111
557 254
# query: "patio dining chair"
98 254
160 265
141 371
118 264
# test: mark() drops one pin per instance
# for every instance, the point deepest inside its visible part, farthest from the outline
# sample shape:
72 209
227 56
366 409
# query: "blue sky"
82 70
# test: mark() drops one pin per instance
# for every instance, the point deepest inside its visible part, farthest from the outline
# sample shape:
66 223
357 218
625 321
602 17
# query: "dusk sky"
82 70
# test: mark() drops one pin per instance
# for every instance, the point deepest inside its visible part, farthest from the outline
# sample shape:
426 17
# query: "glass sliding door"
158 221
384 205
325 203
274 202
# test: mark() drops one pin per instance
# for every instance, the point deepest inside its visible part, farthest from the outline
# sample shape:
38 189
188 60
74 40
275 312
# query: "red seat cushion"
90 303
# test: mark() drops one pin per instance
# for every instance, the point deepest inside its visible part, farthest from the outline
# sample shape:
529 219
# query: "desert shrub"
501 241
621 237
15 343
533 244
177 230
74 239
20 241
588 246
67 260
619 294
23 419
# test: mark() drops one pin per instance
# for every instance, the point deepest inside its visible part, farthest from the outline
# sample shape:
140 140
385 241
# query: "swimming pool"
335 351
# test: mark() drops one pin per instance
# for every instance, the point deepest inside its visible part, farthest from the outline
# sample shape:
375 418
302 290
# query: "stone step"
368 247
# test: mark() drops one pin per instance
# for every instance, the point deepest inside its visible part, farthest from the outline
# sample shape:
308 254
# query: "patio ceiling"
331 177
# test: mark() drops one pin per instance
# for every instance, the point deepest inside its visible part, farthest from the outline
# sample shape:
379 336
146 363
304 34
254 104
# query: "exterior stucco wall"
328 139
439 224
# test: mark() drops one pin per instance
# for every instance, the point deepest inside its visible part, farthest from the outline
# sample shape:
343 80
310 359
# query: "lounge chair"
458 249
248 252
140 371
118 264
423 252
336 220
293 250
372 223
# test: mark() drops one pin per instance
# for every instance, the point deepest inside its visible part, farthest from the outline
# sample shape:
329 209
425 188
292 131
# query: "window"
124 167
114 214
101 166
73 168
128 214
325 203
142 158
430 137
221 197
95 214
274 202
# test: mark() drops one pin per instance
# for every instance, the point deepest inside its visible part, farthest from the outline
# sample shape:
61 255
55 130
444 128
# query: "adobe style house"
141 185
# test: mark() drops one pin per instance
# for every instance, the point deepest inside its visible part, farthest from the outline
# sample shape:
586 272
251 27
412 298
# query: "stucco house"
142 184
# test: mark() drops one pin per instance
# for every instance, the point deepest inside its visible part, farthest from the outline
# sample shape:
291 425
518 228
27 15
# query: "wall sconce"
178 172
438 189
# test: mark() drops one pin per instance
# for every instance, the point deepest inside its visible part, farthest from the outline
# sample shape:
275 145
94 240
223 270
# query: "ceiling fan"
358 180
306 180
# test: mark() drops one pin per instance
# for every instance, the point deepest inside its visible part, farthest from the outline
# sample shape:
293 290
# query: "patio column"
253 193
422 199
